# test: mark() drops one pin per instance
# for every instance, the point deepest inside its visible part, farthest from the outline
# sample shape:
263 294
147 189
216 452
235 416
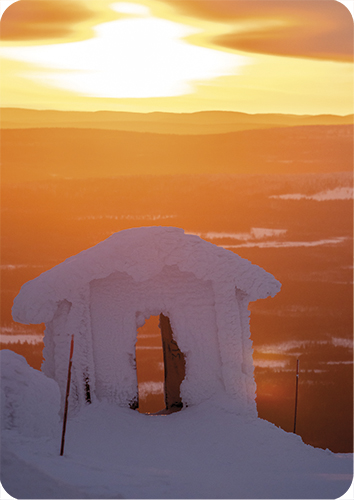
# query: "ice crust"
105 293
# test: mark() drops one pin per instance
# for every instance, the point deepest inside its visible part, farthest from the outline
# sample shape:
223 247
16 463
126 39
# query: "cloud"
321 29
30 20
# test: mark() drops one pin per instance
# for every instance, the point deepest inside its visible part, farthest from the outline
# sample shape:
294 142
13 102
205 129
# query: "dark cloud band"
321 29
43 19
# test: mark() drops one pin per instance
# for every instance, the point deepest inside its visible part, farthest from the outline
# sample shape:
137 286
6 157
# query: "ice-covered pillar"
78 324
175 366
231 345
243 300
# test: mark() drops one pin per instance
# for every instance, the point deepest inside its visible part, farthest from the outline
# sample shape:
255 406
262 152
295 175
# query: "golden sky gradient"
255 56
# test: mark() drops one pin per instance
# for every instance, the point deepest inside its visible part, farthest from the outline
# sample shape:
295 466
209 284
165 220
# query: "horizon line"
204 111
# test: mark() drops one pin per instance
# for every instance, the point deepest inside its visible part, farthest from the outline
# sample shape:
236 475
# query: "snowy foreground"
204 451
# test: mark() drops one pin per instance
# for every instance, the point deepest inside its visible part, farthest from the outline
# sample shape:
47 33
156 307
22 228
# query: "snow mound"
30 401
24 480
206 451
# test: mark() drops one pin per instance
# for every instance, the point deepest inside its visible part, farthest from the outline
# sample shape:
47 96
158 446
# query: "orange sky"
287 56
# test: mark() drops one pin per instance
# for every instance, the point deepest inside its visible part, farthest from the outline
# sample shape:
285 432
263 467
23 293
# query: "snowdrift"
206 451
29 400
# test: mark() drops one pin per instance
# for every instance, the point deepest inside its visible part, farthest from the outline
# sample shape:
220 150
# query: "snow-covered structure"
103 294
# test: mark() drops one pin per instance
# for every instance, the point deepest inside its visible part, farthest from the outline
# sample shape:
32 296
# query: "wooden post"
296 392
67 396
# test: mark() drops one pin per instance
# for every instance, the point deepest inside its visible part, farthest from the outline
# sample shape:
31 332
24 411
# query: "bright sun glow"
159 55
124 57
131 8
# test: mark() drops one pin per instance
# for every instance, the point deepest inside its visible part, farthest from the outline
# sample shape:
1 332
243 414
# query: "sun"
177 56
137 56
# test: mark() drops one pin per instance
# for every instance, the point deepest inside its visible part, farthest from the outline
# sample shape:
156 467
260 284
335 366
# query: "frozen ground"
205 451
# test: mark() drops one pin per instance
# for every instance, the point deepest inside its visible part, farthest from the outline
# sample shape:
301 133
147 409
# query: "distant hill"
204 122
40 154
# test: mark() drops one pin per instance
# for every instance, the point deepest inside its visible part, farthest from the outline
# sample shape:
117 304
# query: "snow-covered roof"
141 253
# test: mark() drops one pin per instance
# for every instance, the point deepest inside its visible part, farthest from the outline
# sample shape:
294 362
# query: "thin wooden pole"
296 393
67 396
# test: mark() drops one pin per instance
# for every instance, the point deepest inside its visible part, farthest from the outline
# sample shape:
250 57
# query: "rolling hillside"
39 154
204 122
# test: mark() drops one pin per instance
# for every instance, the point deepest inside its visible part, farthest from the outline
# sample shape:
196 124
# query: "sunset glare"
124 57
160 55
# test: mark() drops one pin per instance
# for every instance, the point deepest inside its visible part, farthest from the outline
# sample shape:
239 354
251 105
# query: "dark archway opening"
150 367
160 367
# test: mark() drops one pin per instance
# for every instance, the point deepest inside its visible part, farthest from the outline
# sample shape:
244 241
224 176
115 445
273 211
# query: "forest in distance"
286 209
